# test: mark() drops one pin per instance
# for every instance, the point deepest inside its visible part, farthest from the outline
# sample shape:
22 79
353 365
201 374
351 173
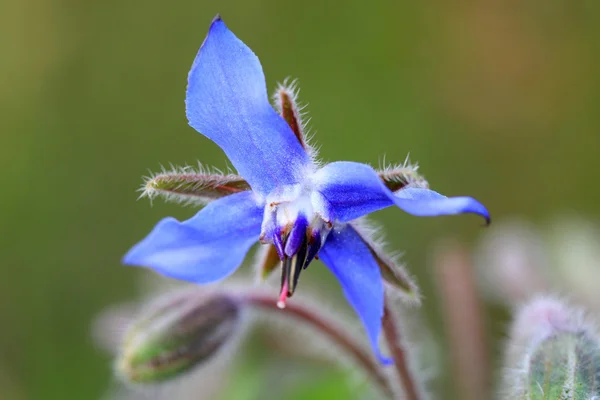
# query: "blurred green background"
495 99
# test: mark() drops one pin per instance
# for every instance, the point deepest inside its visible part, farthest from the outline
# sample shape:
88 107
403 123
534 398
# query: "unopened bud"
175 334
568 365
556 355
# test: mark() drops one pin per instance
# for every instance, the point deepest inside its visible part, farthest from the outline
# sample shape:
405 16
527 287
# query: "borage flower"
283 197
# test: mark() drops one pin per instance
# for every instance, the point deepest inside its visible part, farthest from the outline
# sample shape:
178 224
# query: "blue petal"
227 102
350 190
206 248
352 263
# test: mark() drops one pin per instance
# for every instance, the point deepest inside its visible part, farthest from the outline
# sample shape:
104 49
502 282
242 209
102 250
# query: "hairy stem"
395 345
330 329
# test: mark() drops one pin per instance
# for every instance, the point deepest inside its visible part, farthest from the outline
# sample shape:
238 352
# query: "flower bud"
175 334
555 354
565 366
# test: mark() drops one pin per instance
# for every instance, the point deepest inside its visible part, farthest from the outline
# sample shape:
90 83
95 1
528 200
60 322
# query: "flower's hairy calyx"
391 270
285 100
401 176
189 185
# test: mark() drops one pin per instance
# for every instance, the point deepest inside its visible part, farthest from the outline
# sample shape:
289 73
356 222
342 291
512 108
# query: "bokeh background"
495 99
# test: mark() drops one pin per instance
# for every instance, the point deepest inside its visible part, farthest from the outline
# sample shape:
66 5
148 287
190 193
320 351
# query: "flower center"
296 231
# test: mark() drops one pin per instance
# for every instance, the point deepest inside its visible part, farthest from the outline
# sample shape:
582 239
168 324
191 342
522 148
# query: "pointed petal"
206 248
358 273
427 203
349 190
227 102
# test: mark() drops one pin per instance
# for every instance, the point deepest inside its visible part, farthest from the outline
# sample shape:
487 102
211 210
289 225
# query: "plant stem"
463 317
392 336
329 328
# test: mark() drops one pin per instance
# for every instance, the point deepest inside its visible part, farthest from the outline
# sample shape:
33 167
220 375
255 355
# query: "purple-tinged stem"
463 317
395 345
328 328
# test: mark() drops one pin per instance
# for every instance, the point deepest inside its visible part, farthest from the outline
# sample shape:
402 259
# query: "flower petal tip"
139 254
254 134
479 209
133 258
215 24
205 248
488 220
127 260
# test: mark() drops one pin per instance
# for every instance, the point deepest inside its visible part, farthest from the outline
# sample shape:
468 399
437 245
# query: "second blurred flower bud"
554 354
176 333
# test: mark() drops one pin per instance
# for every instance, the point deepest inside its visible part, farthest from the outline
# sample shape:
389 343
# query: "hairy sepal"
193 186
399 282
404 175
285 100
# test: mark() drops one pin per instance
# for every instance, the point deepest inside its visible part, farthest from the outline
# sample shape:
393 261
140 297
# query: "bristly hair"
191 186
400 176
398 281
541 319
290 88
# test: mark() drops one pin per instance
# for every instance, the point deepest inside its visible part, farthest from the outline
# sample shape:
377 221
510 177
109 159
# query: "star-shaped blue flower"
302 208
